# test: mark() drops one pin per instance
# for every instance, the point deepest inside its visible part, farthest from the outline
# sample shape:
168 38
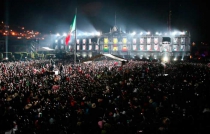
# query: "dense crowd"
103 97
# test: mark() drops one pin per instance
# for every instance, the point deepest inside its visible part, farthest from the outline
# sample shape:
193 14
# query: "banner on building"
175 48
148 40
115 47
175 40
83 47
124 48
134 41
115 40
134 47
124 41
156 40
141 47
96 47
106 48
90 47
182 48
149 47
106 40
84 41
77 41
77 47
156 47
70 47
141 40
182 40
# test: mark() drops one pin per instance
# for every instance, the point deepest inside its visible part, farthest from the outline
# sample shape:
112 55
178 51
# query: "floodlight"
64 34
165 59
182 33
47 48
98 33
57 34
174 33
92 33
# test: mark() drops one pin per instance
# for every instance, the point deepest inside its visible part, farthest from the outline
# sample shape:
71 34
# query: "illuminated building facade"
141 45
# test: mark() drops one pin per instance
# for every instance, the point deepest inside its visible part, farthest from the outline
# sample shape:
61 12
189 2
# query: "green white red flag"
72 29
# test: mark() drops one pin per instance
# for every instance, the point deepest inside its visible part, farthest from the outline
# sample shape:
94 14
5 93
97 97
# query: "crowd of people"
104 97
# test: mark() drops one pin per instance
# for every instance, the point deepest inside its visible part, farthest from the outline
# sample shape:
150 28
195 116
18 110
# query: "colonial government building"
142 45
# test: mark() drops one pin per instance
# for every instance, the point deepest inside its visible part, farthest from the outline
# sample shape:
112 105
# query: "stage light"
141 56
182 33
64 34
182 59
165 59
57 34
90 55
98 33
148 33
174 59
155 56
157 33
165 33
174 33
56 41
141 33
47 48
134 33
84 55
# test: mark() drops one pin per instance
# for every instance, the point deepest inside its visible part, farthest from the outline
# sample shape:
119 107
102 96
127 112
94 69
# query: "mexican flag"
72 29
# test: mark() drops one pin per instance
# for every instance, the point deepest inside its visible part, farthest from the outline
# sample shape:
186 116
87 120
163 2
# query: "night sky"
132 15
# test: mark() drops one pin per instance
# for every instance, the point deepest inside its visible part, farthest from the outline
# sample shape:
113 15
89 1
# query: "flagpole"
75 46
